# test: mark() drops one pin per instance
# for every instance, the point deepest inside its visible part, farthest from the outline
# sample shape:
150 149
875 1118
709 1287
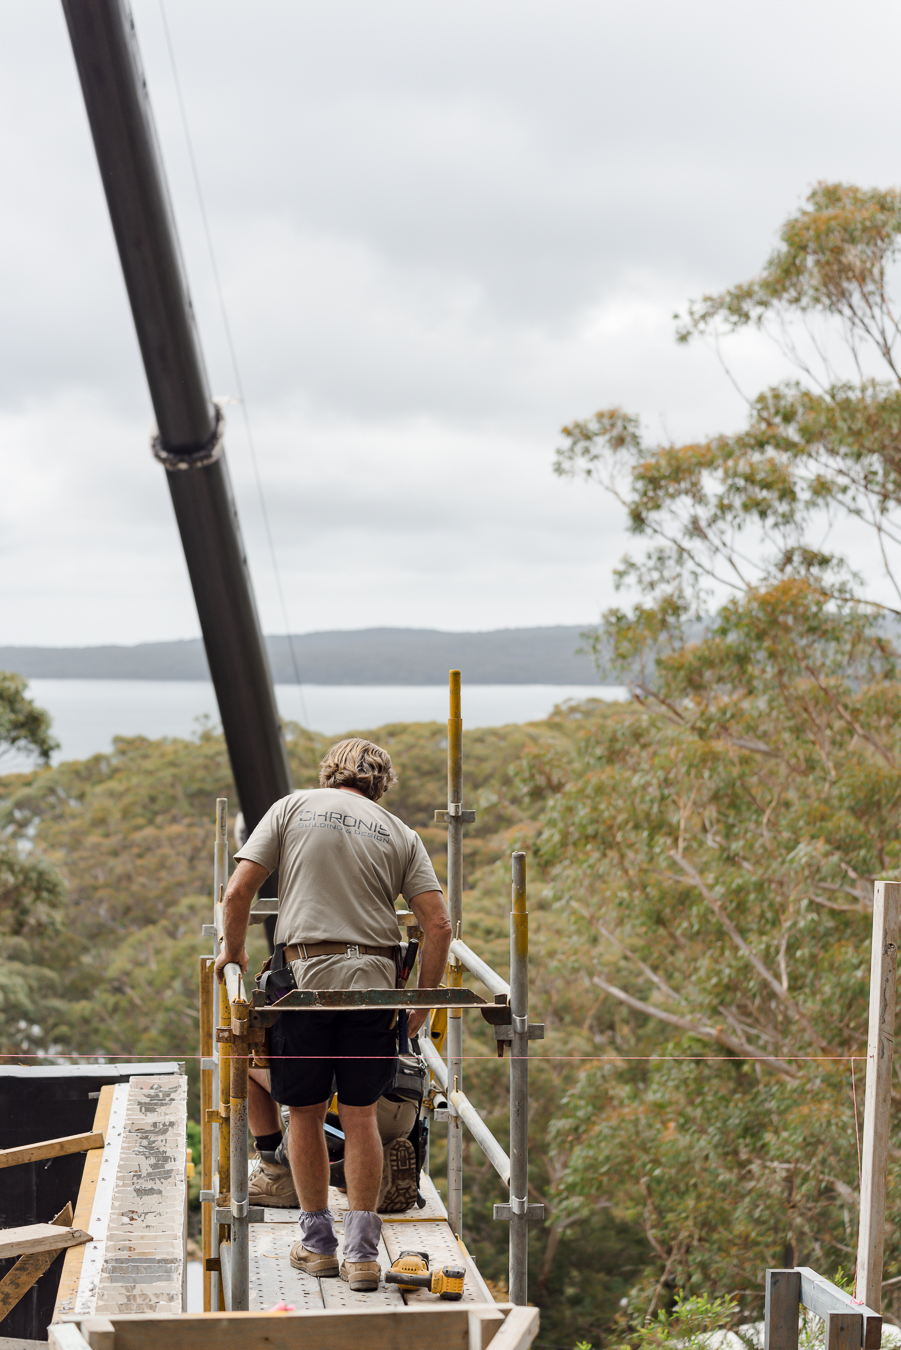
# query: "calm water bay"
88 713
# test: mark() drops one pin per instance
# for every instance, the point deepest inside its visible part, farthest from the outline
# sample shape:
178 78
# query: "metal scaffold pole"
240 1242
220 852
454 969
207 991
519 1086
221 1141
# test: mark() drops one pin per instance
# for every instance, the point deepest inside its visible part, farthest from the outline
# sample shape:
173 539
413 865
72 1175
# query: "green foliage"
835 257
688 1325
23 726
31 890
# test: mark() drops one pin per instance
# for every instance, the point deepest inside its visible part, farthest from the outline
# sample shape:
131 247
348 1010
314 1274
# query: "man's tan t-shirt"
342 861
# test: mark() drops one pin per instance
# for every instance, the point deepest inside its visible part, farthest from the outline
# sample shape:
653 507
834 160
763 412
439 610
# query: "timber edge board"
448 1326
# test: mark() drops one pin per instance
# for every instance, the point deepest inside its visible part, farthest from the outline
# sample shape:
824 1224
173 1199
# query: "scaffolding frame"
232 1030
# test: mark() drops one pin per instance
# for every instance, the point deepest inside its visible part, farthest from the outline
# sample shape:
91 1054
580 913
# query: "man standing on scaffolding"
342 861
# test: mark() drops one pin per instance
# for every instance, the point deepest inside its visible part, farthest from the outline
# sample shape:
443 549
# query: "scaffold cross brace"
443 817
533 1213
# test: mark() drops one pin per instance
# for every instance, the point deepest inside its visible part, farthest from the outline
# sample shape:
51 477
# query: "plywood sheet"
68 1285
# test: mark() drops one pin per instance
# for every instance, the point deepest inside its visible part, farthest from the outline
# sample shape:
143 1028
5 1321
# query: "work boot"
272 1185
400 1180
316 1252
314 1263
362 1230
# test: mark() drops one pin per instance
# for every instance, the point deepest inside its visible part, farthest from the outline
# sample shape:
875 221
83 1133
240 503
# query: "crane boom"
189 439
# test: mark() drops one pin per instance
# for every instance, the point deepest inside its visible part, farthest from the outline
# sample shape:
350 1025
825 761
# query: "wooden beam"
878 1104
821 1296
84 1205
521 1328
413 1328
29 1269
484 1324
782 1309
51 1148
39 1237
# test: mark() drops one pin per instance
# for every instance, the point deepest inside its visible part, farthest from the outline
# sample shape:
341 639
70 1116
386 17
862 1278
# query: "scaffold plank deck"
272 1277
273 1280
338 1293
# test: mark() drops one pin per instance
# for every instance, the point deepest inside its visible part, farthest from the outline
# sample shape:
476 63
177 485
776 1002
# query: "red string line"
127 1055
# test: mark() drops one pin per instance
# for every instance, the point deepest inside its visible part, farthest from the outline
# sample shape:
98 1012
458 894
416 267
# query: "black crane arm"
189 440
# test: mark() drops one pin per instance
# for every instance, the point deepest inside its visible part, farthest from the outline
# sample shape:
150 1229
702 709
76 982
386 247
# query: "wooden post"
782 1309
877 1108
844 1330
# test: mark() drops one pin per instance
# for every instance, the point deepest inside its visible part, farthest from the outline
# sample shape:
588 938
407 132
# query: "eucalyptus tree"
31 889
714 850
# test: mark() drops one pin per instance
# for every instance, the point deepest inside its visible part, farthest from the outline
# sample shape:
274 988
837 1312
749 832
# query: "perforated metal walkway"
274 1280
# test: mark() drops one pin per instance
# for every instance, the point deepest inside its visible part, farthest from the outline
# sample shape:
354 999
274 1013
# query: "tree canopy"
31 889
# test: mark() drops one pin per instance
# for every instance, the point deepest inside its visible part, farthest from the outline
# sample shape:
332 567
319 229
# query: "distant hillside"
367 656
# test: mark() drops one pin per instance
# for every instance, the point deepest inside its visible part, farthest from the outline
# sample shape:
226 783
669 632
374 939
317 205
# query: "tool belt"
302 951
410 1079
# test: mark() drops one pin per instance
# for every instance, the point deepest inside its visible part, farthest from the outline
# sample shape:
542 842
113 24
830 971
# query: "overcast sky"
443 230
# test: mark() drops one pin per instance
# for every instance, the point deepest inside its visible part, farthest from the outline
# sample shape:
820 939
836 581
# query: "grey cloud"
442 230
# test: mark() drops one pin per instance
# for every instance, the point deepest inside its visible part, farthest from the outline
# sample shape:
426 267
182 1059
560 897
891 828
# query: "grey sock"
317 1231
362 1230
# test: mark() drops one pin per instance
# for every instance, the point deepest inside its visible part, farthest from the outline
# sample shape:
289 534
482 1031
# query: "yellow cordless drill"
411 1271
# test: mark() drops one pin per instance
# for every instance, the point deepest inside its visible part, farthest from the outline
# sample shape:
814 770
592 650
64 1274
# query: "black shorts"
355 1049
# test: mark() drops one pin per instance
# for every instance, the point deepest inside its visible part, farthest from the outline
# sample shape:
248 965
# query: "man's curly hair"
358 764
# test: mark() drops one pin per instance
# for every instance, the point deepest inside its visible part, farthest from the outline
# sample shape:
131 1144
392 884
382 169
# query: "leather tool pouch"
409 1080
274 979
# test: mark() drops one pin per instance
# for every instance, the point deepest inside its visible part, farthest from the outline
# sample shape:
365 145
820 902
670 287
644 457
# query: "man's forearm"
432 965
235 918
432 917
236 903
